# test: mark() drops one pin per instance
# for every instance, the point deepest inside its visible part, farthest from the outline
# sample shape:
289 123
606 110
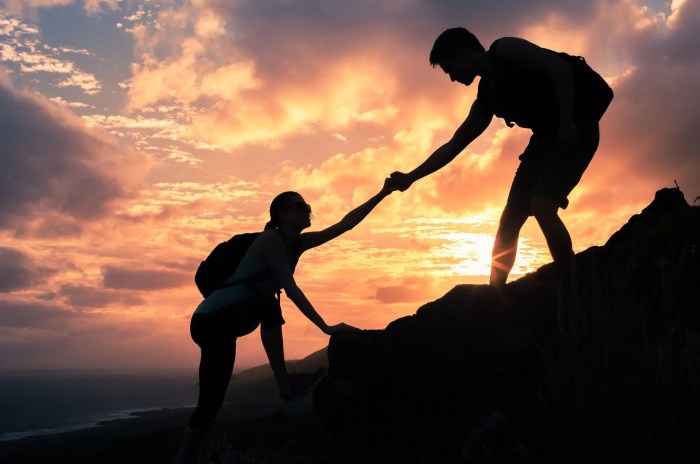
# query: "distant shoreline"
156 432
120 415
159 430
40 403
86 441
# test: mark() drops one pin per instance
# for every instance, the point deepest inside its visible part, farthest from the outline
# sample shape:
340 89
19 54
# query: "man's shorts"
547 172
236 320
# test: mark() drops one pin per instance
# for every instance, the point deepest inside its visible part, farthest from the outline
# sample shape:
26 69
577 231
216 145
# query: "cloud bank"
57 175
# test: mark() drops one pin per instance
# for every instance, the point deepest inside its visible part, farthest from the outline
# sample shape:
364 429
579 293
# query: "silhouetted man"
558 96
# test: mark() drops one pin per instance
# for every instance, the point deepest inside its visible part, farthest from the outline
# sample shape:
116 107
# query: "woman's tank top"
249 266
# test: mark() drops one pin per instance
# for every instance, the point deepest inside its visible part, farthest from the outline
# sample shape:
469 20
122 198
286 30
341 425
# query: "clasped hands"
396 181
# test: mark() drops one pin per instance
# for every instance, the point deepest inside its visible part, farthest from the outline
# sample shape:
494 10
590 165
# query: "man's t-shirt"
526 97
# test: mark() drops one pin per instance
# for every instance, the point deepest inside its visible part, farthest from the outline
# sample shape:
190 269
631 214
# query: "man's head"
459 54
452 43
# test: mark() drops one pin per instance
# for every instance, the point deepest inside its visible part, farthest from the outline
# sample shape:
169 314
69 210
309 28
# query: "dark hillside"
603 366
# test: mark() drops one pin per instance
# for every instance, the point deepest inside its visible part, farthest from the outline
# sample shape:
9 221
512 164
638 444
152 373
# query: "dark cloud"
33 315
18 271
52 178
285 35
42 335
90 297
683 43
135 279
653 119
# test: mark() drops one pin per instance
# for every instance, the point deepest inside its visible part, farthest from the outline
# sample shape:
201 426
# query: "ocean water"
47 402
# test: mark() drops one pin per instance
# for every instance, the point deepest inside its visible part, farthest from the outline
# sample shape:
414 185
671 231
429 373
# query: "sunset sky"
134 136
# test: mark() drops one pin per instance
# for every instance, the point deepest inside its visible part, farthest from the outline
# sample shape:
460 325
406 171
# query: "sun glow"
469 254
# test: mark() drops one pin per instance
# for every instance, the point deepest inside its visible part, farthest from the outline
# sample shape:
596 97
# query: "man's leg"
561 172
274 348
505 245
517 209
558 239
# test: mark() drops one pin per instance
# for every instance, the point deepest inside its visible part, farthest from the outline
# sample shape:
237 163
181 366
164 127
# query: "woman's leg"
271 322
293 387
274 347
191 441
218 354
215 369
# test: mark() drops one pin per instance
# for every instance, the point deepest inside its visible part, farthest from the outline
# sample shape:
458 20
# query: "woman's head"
289 208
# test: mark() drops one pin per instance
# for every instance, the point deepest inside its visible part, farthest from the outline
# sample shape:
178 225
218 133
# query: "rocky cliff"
602 364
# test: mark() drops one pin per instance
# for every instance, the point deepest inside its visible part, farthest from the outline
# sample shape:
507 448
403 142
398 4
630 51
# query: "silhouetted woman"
236 311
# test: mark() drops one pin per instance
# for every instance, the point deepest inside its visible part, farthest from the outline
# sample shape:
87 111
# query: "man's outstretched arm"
476 123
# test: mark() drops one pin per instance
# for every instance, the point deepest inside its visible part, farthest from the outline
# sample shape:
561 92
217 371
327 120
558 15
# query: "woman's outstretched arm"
273 250
353 218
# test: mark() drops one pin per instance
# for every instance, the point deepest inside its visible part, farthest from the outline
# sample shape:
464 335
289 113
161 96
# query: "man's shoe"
300 385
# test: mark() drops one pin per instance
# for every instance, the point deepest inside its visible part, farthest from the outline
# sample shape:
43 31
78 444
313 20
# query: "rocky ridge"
604 364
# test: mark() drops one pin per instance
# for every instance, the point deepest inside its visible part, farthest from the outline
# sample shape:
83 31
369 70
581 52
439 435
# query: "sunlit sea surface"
47 402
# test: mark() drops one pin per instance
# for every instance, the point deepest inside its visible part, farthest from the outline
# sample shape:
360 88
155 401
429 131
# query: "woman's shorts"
236 320
546 172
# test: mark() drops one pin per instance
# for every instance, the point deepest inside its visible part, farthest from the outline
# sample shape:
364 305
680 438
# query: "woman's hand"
388 187
342 327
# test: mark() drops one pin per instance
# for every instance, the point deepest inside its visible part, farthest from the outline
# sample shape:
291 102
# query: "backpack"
592 92
520 93
223 260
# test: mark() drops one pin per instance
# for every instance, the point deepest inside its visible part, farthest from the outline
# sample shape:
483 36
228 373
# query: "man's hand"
399 181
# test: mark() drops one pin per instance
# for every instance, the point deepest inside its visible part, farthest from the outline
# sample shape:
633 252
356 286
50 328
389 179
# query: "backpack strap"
262 274
296 253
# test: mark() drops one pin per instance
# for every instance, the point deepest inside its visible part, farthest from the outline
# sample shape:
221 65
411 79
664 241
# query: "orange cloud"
237 101
405 290
269 111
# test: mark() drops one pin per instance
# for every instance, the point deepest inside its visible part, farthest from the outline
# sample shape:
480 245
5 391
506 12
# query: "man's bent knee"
543 207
